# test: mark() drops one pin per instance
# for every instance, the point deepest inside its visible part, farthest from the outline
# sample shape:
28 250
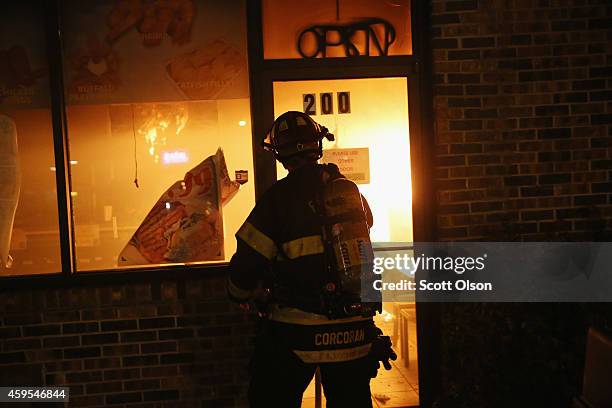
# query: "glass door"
369 118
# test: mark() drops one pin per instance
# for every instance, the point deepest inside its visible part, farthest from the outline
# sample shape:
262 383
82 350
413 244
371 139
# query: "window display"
154 90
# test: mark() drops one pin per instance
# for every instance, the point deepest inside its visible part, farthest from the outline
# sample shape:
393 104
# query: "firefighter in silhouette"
305 259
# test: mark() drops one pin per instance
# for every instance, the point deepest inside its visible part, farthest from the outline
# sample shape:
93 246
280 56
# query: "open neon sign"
344 35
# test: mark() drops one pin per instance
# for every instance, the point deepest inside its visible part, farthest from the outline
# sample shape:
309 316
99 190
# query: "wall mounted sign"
354 163
326 103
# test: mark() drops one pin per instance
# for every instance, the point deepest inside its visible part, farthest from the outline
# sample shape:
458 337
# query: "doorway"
369 118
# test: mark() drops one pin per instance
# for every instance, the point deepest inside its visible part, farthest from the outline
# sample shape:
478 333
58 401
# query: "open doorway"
369 118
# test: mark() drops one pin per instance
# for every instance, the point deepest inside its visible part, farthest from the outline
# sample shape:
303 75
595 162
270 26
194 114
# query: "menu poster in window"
119 51
24 81
186 223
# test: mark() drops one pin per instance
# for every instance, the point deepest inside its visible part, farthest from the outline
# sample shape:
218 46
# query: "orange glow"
102 138
35 243
156 120
378 120
283 21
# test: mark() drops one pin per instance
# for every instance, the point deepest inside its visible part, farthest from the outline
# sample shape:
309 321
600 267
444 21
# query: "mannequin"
10 182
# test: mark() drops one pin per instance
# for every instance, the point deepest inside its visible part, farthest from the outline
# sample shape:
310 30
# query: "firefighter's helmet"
295 133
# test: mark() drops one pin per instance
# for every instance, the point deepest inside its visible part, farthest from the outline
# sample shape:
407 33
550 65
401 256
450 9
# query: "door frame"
416 69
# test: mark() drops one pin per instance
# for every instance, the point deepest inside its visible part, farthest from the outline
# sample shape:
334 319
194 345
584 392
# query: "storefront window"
29 228
336 28
159 126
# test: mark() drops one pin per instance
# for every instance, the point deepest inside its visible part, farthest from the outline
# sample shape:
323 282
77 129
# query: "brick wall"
169 344
523 118
523 129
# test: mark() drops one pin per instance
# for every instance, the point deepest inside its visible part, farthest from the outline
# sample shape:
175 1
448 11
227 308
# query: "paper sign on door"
354 163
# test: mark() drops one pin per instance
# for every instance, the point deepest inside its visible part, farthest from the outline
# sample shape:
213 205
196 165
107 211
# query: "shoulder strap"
332 171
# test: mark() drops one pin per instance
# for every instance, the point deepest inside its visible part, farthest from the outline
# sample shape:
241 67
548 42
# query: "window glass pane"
152 95
336 28
369 118
29 232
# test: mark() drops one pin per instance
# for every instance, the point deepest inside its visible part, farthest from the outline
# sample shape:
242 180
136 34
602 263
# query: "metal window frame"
63 178
68 276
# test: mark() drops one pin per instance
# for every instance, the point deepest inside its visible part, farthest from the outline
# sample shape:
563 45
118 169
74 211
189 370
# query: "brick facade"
523 119
170 344
523 129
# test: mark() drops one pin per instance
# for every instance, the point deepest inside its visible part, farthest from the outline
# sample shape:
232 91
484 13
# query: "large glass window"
336 28
29 233
159 125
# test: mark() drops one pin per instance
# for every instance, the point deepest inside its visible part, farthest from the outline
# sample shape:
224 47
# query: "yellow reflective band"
310 245
296 316
257 240
237 292
330 356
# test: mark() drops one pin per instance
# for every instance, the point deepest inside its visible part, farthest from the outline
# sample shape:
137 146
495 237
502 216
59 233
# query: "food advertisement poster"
24 81
186 223
124 51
